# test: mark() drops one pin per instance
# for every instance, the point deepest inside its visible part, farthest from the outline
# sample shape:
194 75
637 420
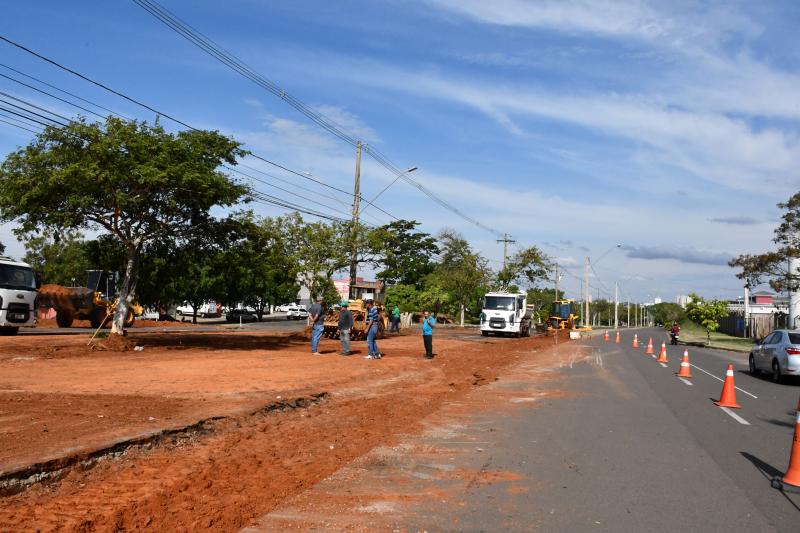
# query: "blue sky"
669 127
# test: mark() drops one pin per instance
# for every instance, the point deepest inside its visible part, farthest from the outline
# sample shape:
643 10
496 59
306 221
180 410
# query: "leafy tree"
136 182
57 257
2 248
406 297
528 266
706 314
319 250
542 300
404 253
666 313
772 267
462 273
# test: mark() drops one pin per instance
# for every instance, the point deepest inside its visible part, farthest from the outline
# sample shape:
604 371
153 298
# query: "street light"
407 171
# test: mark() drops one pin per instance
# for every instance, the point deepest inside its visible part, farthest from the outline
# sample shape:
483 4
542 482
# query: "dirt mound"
114 343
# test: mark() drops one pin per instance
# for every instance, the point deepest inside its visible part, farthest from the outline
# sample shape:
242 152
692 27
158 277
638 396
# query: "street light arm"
369 203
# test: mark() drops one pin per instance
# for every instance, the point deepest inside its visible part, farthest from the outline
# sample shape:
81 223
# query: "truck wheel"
9 331
485 333
64 319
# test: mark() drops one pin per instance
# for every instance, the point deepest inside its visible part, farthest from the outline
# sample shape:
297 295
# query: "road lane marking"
735 416
722 380
686 381
664 365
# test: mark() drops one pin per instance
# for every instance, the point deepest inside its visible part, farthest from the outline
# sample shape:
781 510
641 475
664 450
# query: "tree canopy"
136 182
706 313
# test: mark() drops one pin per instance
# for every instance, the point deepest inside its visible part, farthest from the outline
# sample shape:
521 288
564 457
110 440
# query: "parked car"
283 308
778 353
296 313
241 315
150 314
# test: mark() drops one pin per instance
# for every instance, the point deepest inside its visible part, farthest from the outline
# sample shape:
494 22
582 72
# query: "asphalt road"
630 447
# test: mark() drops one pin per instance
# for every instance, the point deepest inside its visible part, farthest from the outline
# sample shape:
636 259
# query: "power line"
161 113
51 95
257 195
214 50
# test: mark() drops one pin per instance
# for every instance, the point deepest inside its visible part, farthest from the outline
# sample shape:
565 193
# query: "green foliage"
404 253
57 258
706 313
772 267
666 313
460 279
138 183
528 266
2 248
319 251
542 300
406 297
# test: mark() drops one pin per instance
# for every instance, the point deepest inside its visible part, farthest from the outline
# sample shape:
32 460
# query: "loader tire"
64 319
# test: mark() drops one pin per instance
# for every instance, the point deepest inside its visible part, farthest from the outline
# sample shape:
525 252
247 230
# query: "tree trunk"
195 305
462 315
128 291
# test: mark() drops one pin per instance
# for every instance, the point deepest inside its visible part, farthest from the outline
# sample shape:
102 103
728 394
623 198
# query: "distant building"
683 300
656 301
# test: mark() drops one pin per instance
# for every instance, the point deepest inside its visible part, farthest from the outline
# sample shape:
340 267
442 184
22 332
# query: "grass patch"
691 332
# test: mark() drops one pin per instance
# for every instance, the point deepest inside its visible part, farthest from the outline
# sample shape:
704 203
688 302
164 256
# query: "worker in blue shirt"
372 331
428 323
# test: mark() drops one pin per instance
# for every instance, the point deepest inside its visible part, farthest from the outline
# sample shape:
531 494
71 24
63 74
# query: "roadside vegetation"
148 195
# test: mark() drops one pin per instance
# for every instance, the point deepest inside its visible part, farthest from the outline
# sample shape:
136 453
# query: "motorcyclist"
673 333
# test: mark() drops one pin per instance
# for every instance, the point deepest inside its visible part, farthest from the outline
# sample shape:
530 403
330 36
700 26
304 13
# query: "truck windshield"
499 303
16 277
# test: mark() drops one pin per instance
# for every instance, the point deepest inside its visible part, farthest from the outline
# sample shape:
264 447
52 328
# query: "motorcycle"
673 338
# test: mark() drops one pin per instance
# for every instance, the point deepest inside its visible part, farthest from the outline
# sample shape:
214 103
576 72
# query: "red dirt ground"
59 397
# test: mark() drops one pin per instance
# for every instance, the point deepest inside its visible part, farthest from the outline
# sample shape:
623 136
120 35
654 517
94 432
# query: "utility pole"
505 240
794 294
586 291
354 236
628 321
558 278
616 305
747 310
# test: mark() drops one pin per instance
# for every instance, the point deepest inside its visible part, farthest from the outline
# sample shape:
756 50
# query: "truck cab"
506 313
17 296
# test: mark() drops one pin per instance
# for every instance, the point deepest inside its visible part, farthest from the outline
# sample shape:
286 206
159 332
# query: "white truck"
17 296
506 312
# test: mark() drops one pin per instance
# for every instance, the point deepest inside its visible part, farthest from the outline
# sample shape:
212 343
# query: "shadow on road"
769 472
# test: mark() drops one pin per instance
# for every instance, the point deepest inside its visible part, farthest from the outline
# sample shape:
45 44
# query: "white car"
150 314
283 308
778 354
296 313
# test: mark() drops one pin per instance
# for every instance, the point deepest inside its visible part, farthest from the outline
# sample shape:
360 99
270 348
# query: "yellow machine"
359 311
564 315
82 303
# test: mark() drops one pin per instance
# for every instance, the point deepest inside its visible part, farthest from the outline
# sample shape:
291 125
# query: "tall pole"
505 240
586 291
557 280
616 305
794 294
629 311
354 236
747 310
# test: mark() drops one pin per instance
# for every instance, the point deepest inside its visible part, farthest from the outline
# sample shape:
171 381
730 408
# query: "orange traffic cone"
636 341
617 340
686 368
790 482
662 355
649 350
728 396
605 336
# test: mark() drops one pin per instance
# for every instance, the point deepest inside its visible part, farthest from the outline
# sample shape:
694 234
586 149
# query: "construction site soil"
209 430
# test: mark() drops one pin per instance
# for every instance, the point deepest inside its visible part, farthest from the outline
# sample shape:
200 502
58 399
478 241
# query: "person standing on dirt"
345 325
395 320
428 323
372 331
316 317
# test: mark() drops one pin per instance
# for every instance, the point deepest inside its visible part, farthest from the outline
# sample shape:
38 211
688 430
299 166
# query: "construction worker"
395 320
345 325
316 318
372 331
428 323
